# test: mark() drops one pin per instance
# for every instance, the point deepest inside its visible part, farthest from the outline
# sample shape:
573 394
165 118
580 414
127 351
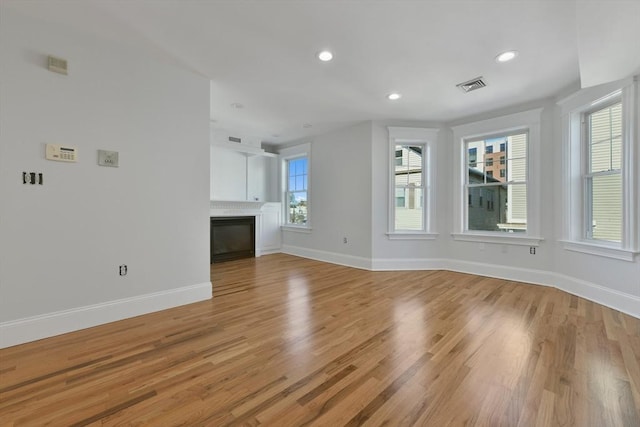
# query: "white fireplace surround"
267 223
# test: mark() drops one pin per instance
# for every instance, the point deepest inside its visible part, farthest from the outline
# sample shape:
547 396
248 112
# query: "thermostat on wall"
61 153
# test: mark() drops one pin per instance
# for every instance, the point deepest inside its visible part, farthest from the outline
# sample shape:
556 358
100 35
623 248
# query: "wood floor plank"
287 341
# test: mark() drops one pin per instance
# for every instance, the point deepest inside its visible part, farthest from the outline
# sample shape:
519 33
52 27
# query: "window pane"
600 157
498 208
517 146
414 158
605 139
517 207
400 197
475 152
477 175
292 184
298 207
402 177
516 170
299 183
409 215
606 211
492 212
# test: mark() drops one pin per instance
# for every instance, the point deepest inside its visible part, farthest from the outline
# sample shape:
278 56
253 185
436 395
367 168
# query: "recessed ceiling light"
307 125
507 56
325 56
237 105
394 96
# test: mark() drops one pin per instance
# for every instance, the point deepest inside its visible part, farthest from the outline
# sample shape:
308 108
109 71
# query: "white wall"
61 243
228 174
340 198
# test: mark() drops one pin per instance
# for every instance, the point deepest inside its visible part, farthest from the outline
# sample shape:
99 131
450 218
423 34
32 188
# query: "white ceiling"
262 54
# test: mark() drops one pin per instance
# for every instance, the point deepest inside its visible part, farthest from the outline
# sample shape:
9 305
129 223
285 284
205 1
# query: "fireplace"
232 238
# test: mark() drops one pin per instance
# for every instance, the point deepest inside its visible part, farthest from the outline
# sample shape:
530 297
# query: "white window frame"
293 153
573 110
426 138
526 121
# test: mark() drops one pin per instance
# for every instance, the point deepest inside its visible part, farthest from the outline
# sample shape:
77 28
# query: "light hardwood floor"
290 342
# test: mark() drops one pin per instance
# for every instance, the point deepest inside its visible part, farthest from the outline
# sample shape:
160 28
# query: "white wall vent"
235 139
472 84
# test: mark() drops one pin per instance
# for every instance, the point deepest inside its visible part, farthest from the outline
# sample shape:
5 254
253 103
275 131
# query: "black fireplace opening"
232 238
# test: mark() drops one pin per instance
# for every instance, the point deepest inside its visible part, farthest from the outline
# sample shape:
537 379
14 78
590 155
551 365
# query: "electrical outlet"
123 270
532 250
344 240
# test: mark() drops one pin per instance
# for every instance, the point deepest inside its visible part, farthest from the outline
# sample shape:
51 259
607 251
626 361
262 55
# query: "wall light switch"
108 158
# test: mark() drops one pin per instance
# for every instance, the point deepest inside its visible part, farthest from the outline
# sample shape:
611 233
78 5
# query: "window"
409 188
296 184
297 180
602 175
510 191
411 209
600 171
510 210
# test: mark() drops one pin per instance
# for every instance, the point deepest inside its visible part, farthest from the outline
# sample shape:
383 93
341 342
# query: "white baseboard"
392 264
331 257
527 275
268 251
47 325
621 301
626 303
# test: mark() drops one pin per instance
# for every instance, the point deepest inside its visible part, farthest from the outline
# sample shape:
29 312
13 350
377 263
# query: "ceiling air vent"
235 139
472 84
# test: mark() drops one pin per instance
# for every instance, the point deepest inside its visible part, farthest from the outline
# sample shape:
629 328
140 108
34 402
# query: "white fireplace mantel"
235 208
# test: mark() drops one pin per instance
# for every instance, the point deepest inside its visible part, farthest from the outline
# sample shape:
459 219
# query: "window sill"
411 236
502 238
600 250
296 229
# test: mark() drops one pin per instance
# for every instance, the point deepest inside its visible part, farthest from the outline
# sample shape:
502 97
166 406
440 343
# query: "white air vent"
472 84
57 65
235 139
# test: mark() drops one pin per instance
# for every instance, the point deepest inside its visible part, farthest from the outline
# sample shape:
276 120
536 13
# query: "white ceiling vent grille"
472 84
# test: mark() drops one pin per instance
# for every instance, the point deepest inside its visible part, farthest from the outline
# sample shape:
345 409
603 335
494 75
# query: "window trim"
292 153
573 109
426 137
528 121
